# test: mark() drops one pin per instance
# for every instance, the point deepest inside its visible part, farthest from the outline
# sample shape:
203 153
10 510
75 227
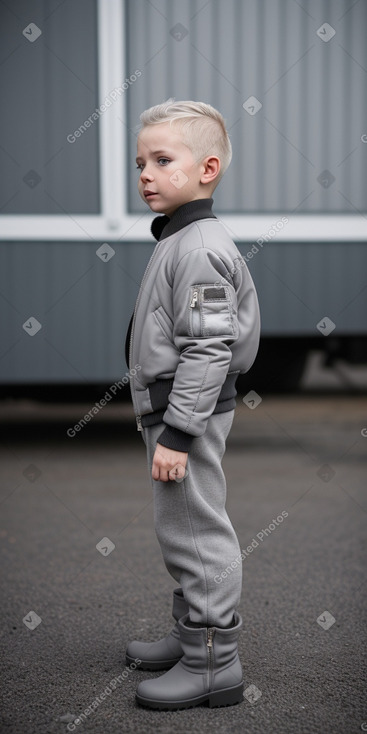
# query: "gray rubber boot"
165 652
208 672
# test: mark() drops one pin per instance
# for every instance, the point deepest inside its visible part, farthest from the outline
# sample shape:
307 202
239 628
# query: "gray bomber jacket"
195 326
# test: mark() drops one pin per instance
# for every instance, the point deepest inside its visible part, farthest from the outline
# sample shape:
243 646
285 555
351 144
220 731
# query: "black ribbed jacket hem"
171 437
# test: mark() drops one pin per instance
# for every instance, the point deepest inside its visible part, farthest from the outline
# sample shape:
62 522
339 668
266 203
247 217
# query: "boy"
195 327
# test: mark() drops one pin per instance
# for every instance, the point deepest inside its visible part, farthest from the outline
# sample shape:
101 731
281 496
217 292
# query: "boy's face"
169 175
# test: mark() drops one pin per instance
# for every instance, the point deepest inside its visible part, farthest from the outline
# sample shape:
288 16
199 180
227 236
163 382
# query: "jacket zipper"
209 643
153 255
195 312
194 299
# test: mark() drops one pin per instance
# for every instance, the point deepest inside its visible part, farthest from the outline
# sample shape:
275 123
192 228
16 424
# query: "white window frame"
115 222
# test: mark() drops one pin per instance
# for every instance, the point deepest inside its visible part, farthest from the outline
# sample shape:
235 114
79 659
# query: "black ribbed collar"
185 214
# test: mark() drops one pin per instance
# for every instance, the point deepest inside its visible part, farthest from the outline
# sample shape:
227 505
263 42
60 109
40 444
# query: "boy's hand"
168 464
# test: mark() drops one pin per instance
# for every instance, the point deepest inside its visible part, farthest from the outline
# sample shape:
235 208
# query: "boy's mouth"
148 194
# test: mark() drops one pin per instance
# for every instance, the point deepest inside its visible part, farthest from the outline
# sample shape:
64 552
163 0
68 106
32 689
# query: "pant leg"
195 534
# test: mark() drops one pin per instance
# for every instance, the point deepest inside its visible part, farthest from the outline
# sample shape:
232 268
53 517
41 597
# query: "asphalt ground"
303 600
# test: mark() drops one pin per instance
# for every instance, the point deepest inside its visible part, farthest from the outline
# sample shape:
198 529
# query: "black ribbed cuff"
175 439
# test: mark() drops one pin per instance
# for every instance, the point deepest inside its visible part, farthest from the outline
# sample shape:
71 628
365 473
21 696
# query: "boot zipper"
209 643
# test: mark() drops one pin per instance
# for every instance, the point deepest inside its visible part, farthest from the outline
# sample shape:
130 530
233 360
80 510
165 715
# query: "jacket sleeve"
204 326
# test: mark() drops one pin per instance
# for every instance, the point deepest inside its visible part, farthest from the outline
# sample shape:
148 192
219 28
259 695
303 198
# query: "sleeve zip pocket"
211 312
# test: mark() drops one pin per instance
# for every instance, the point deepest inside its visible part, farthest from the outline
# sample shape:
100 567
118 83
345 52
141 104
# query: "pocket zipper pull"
194 299
138 422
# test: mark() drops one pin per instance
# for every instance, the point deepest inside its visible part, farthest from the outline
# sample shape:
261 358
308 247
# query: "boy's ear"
210 169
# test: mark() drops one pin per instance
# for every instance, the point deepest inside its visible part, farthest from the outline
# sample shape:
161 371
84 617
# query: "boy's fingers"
162 468
159 473
178 472
156 472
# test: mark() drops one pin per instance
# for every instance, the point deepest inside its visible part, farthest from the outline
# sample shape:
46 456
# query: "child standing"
195 328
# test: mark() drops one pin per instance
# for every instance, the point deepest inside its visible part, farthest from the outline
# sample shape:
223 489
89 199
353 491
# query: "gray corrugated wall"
84 304
319 104
313 93
49 87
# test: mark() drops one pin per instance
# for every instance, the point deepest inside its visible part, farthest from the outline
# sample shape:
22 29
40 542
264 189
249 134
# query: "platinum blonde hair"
202 127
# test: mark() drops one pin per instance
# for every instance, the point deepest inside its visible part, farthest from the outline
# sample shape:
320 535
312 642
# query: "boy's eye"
162 162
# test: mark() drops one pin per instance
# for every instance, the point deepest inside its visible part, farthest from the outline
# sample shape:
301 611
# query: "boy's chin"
157 208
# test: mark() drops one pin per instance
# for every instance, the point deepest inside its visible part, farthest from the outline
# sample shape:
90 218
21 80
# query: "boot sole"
153 664
225 697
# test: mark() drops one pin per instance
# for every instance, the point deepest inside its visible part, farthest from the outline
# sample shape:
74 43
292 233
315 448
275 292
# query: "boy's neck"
163 226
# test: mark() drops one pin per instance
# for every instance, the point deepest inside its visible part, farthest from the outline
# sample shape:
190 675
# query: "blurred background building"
290 80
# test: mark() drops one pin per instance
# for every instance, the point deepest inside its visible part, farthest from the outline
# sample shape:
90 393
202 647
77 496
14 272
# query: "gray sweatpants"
195 534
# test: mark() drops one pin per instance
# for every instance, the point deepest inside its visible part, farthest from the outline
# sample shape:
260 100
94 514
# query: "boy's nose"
146 176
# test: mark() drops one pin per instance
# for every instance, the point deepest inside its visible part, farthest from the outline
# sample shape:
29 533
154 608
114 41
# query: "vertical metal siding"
313 94
234 49
84 304
49 88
